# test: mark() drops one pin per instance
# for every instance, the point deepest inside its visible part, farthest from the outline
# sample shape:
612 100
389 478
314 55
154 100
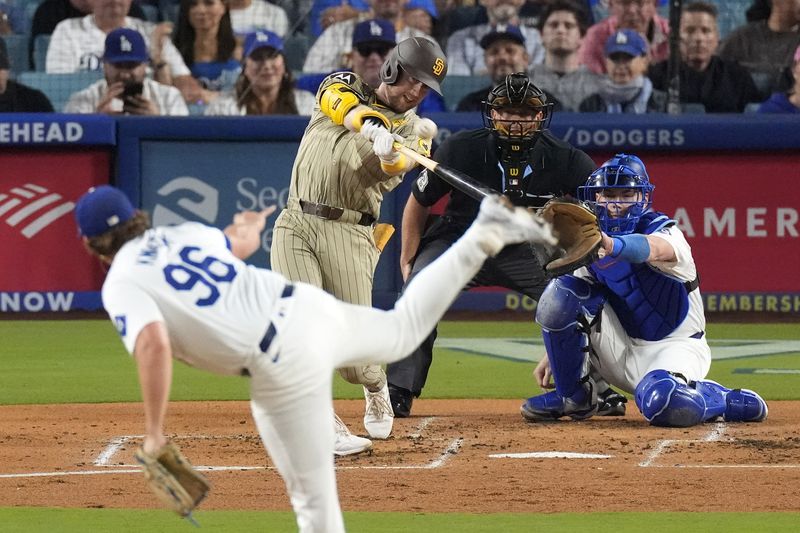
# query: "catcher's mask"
626 192
519 97
420 58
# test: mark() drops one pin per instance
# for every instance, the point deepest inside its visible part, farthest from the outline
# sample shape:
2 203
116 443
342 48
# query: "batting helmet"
420 58
518 93
620 172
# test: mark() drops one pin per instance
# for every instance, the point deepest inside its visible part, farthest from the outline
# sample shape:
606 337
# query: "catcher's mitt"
578 234
170 476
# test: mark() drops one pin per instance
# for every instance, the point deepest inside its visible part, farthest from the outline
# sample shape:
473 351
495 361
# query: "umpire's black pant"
515 267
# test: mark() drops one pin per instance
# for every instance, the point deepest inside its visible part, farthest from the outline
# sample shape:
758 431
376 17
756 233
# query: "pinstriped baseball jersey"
337 168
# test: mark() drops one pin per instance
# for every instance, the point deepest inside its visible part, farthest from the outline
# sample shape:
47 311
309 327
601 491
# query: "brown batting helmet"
420 58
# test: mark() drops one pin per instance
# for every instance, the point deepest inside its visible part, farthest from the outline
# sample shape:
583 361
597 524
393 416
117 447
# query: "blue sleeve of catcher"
632 248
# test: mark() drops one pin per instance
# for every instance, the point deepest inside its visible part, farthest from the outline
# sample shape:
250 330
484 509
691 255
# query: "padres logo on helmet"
420 58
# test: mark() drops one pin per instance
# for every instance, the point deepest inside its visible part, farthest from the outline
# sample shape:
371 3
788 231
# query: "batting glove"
382 141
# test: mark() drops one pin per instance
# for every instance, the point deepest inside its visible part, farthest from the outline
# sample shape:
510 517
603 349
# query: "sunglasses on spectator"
366 50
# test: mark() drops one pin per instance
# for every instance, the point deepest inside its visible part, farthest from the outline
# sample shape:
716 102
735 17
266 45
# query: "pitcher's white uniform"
218 312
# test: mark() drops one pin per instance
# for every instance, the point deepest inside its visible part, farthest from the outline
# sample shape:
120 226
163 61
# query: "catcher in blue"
635 314
184 292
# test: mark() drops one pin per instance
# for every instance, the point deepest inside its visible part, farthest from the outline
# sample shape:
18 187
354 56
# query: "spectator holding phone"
124 89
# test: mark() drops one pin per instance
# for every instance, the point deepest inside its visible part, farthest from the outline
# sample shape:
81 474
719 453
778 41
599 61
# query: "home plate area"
450 456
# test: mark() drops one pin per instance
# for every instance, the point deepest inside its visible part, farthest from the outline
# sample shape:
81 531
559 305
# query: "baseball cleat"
346 443
552 406
401 400
610 403
499 224
378 416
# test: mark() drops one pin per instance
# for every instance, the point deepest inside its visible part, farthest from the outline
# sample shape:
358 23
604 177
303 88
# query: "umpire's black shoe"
611 403
401 401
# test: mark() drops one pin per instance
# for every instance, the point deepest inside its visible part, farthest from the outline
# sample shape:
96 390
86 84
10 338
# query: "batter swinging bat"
457 179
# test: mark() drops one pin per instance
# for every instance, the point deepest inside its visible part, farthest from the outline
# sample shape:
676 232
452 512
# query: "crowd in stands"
259 57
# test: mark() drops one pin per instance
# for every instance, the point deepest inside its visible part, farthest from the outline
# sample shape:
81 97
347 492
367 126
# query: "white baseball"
426 128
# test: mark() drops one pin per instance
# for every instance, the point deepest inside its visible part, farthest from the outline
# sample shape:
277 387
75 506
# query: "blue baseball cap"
427 5
101 209
626 42
261 39
125 45
503 32
374 31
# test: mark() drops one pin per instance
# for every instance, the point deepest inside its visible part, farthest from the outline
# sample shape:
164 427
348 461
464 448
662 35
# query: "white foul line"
714 435
112 448
105 456
549 455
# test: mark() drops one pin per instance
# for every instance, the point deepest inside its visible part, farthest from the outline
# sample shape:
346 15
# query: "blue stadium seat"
17 46
59 87
731 15
455 88
40 44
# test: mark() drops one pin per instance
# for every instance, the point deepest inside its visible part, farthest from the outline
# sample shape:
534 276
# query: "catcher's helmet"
620 172
518 93
420 58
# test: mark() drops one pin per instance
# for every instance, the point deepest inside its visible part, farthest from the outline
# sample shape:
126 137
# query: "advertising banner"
44 266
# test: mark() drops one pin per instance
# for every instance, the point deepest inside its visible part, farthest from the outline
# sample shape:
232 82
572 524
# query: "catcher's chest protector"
649 304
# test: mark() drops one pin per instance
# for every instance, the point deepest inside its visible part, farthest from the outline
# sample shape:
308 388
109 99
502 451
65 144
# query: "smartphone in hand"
132 89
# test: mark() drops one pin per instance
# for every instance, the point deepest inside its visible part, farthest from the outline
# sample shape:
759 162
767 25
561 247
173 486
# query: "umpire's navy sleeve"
428 188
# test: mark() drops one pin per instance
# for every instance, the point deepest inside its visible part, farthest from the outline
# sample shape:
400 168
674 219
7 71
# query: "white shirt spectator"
328 51
465 55
77 44
260 15
168 99
226 104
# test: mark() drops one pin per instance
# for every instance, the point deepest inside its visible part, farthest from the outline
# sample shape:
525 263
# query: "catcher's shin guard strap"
632 248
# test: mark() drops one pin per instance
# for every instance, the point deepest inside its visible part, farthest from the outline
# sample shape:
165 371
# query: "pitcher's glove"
173 480
578 232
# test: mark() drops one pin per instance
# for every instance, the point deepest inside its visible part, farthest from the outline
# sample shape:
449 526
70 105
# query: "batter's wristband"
633 248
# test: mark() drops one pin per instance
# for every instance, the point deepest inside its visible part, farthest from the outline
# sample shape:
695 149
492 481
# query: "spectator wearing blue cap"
504 54
77 44
421 14
625 88
638 15
125 89
464 48
265 86
328 51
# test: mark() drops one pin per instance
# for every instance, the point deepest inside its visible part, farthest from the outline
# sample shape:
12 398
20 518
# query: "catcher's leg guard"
740 405
665 399
563 301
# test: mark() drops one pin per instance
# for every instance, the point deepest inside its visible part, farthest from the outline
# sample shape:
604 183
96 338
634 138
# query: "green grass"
35 520
84 361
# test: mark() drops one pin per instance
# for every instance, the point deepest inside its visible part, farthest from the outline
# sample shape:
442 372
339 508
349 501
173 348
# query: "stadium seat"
731 15
17 46
150 12
455 88
692 108
59 87
295 49
40 44
752 107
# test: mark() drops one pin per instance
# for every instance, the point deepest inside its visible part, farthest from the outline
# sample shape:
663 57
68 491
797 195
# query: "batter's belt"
333 213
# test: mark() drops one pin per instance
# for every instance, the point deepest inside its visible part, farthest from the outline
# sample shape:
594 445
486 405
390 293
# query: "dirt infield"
451 456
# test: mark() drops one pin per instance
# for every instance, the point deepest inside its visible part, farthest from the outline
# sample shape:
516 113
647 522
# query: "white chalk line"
116 443
715 434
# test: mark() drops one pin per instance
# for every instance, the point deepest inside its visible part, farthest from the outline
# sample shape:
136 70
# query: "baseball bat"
457 179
